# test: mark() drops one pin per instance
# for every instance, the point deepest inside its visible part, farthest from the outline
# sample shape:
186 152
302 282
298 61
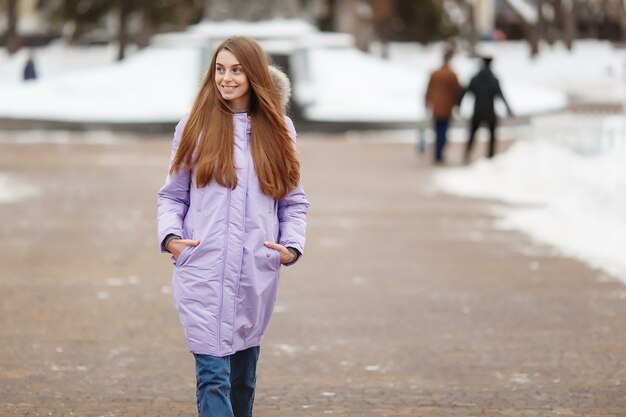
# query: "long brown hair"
207 140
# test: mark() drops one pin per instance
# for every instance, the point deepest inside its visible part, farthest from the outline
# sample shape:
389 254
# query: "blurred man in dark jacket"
442 94
485 87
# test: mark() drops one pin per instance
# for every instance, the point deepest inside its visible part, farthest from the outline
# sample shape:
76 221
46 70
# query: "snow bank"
572 201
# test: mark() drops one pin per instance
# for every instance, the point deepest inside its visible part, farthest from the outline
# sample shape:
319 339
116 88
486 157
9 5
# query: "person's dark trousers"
441 132
225 386
476 122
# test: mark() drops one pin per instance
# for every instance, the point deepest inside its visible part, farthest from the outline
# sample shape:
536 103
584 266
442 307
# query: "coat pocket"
184 256
276 260
267 260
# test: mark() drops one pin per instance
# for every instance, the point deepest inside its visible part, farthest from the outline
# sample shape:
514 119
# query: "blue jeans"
225 386
441 133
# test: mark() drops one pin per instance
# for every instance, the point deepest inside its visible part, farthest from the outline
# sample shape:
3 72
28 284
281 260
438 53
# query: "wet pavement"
407 302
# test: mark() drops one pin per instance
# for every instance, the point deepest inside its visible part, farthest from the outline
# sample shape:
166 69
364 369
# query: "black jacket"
485 87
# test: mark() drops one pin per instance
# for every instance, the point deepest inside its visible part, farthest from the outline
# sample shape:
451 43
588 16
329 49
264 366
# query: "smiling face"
231 81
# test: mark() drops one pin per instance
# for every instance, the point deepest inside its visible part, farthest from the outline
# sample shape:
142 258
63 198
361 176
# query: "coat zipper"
219 315
245 199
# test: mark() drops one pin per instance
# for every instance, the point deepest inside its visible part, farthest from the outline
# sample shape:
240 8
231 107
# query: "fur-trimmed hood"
282 84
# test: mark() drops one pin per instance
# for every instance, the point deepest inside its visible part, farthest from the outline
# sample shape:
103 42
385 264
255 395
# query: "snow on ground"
54 60
12 190
363 88
154 85
159 83
562 193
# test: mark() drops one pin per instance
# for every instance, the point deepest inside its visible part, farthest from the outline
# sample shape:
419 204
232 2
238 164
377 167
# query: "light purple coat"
225 288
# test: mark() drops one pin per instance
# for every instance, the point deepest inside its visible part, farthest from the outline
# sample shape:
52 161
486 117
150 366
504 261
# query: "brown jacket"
443 92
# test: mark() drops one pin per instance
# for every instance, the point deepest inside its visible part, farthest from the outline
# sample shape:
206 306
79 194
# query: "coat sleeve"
292 211
499 93
469 89
457 88
173 197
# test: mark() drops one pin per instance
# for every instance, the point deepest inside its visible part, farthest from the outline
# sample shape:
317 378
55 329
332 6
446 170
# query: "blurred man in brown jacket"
442 95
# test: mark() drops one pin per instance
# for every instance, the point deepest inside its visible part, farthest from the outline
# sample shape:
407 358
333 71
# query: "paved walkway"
407 302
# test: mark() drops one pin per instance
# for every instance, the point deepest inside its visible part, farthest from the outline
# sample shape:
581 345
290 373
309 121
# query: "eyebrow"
222 65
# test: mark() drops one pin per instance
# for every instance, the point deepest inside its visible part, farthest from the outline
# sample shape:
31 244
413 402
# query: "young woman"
231 212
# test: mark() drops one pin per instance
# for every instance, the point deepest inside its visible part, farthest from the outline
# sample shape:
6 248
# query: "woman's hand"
286 255
176 246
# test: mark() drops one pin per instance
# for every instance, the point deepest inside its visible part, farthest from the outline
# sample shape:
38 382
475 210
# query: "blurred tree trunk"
592 24
558 14
551 29
147 28
621 11
183 14
472 33
617 10
122 32
12 41
383 14
251 10
77 33
472 26
531 32
570 30
542 27
355 17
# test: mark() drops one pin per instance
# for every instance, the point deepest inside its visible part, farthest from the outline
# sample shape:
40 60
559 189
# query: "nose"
227 76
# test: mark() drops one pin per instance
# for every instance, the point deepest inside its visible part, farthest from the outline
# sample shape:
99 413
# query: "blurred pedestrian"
30 72
486 88
231 212
442 94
